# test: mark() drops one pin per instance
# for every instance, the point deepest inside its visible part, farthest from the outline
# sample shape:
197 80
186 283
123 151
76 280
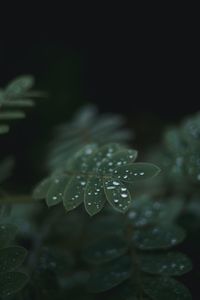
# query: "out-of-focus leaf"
165 288
105 249
7 234
11 258
169 264
110 275
159 237
11 283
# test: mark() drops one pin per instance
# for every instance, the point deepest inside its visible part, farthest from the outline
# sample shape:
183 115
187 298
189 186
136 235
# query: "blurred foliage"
16 96
134 255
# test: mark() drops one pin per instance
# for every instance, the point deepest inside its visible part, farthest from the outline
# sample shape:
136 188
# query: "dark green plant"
16 96
126 250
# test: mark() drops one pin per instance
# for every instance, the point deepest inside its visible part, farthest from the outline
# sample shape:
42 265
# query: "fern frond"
93 175
140 256
180 152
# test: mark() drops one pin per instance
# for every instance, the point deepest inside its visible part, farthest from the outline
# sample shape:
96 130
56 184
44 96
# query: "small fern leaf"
117 195
164 288
158 237
137 171
168 264
11 258
42 189
74 192
12 115
91 178
94 199
11 283
56 191
110 275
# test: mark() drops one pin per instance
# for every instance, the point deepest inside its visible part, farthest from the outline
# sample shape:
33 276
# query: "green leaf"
136 171
20 85
105 249
110 275
40 192
7 234
94 197
11 258
165 288
11 283
117 194
74 192
159 237
19 103
121 157
145 211
56 190
169 264
12 115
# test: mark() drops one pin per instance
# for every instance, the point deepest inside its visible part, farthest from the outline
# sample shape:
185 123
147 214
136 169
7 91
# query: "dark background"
123 59
140 64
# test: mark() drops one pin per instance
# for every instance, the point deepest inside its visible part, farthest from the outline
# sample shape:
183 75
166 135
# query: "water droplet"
116 200
111 187
125 176
173 241
83 183
116 183
88 151
54 197
124 195
123 189
89 203
141 173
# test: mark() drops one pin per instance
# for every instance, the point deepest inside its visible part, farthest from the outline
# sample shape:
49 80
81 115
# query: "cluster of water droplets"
93 175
